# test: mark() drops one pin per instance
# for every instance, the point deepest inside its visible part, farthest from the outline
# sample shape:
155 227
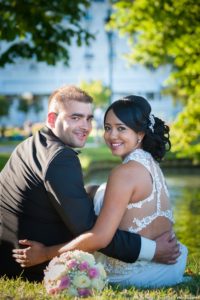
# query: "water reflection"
185 197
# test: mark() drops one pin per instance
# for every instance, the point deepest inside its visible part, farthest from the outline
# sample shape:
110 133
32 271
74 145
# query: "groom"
42 195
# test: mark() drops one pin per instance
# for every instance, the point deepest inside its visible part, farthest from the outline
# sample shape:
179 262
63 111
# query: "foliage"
27 102
41 30
167 33
3 159
100 93
187 144
4 105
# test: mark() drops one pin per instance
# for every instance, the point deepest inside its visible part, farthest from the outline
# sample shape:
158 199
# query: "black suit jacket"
42 198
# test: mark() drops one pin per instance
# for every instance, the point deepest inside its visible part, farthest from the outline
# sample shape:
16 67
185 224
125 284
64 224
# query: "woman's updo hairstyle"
135 112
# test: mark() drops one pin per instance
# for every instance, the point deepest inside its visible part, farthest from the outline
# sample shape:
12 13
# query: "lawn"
19 289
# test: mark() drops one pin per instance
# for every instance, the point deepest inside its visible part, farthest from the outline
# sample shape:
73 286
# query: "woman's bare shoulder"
132 168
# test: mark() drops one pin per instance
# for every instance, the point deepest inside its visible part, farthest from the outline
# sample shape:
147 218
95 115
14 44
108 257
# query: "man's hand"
34 254
167 248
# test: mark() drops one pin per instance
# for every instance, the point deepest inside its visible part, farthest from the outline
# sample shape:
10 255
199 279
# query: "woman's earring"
139 141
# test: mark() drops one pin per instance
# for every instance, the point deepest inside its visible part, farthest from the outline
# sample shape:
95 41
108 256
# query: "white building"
97 62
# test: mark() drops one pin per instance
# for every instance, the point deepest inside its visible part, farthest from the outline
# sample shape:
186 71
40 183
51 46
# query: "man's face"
74 123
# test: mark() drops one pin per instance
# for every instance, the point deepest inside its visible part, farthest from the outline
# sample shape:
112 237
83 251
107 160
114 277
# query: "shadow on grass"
182 290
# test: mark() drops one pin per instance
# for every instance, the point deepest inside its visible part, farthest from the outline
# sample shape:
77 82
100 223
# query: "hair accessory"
152 122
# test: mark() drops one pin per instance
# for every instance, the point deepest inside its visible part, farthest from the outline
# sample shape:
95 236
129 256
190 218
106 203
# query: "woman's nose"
113 133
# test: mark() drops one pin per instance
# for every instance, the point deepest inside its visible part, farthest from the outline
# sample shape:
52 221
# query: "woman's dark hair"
135 112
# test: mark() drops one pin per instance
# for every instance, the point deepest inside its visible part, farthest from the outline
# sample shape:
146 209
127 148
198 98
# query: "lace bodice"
144 212
159 197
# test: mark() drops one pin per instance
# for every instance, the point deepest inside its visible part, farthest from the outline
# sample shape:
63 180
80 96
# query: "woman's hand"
35 253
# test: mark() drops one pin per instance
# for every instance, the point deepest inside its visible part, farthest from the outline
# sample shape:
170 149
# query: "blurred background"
111 49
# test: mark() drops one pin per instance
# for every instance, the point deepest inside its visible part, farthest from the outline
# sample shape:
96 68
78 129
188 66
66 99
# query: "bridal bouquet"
74 273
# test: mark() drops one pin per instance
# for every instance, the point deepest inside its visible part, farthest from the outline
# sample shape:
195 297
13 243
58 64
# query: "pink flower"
93 273
71 264
72 274
53 290
84 292
83 266
64 283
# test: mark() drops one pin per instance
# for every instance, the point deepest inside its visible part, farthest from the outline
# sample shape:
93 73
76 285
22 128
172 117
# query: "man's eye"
76 118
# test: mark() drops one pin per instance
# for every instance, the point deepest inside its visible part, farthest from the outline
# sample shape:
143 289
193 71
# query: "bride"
135 198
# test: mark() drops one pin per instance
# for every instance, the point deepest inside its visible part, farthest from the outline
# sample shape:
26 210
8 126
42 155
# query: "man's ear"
51 118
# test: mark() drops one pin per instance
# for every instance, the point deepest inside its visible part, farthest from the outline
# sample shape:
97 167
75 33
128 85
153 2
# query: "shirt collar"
51 136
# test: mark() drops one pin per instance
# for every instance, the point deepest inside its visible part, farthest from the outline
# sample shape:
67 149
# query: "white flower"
81 256
81 281
54 261
85 256
101 270
98 283
56 272
72 291
74 273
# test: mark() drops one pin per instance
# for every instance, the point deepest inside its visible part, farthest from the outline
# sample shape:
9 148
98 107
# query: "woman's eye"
121 128
106 128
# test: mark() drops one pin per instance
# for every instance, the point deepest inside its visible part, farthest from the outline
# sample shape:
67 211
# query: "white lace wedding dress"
140 215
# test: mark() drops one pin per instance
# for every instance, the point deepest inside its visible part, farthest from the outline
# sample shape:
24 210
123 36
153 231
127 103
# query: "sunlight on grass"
19 289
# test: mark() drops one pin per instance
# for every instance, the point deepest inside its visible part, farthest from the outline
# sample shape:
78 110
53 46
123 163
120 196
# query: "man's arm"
65 188
166 251
124 246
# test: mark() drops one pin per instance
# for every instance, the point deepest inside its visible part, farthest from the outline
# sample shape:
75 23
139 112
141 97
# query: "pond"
184 188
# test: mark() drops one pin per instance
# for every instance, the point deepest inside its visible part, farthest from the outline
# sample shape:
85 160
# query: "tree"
41 29
188 144
28 101
99 92
101 95
167 32
4 105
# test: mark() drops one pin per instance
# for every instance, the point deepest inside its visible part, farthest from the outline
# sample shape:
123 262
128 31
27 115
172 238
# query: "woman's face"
119 138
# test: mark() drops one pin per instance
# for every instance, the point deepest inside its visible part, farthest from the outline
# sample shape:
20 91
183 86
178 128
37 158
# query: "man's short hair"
67 93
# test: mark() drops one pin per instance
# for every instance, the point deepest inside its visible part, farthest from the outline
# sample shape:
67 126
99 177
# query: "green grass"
3 159
19 289
9 143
